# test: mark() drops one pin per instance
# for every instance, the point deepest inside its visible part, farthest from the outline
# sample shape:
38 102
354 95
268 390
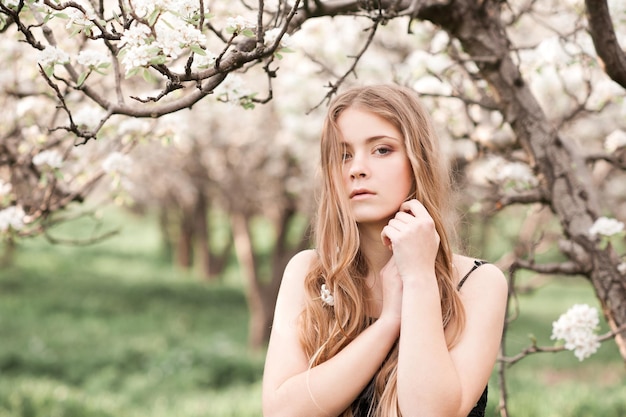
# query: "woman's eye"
345 157
382 151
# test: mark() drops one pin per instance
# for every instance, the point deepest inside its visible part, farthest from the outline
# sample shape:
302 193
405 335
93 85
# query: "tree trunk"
259 324
202 238
185 240
262 297
565 177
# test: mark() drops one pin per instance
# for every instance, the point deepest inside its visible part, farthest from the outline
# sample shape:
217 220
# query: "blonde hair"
340 264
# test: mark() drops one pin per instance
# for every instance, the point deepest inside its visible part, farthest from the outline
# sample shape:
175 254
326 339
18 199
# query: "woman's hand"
412 237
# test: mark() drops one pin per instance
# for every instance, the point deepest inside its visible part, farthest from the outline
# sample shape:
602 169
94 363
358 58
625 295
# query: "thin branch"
533 348
563 268
352 70
618 161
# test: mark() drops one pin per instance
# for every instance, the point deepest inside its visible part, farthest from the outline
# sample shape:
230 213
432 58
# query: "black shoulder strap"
477 263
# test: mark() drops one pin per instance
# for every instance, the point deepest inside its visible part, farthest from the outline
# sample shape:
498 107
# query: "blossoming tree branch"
529 99
175 44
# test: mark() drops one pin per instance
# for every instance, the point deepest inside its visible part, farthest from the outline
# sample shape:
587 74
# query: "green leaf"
81 78
133 72
49 70
158 60
147 75
153 17
248 33
198 50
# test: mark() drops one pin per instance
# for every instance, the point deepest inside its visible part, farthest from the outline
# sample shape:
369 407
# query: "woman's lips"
360 193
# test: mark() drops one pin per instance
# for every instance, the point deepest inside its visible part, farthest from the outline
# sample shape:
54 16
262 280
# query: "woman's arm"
290 388
433 381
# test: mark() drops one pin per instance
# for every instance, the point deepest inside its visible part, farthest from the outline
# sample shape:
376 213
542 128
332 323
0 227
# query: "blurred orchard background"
158 165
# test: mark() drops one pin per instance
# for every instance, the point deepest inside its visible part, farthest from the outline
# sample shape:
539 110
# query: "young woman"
382 318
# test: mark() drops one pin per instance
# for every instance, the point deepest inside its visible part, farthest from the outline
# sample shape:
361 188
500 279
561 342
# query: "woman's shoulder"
476 273
299 266
303 260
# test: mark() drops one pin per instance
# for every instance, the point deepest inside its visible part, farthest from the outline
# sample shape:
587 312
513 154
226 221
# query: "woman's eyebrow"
374 139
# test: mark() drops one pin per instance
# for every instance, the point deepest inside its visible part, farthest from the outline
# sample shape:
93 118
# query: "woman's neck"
373 249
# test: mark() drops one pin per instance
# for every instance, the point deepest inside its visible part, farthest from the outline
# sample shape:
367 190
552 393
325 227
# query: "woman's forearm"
427 381
329 388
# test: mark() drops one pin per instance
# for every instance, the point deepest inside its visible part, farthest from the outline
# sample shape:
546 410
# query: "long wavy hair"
340 264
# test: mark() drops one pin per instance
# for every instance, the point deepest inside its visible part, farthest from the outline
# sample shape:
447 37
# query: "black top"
362 406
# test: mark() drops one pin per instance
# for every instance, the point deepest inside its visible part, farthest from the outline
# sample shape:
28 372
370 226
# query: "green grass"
114 330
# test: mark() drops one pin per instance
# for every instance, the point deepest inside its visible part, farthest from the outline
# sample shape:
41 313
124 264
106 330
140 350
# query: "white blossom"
50 157
232 89
88 116
517 173
136 35
621 268
239 24
132 126
13 217
77 17
5 188
606 227
117 163
326 296
11 3
92 59
185 8
271 36
576 328
205 61
52 55
614 141
138 56
173 39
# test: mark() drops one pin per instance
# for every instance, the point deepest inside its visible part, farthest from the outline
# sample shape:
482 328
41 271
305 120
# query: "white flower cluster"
88 116
11 3
326 296
13 217
232 89
183 8
513 174
173 37
271 36
50 157
52 55
614 141
577 328
605 226
136 44
92 59
78 18
117 163
239 24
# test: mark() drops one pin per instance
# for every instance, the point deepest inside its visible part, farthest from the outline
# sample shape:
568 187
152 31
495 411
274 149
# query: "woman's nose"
358 168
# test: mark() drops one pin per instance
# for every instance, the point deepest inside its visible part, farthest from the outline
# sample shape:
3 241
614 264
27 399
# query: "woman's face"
377 174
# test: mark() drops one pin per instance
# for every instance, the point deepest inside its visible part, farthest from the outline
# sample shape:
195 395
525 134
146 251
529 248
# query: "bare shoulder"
487 278
293 277
300 264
